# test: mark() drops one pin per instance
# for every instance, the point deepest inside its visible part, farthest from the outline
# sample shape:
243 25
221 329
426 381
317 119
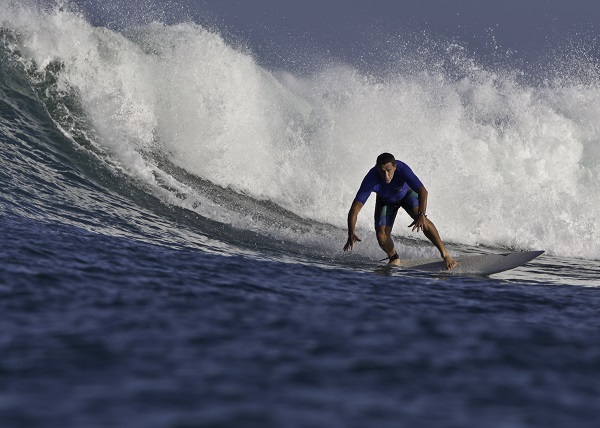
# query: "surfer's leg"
385 214
384 239
432 234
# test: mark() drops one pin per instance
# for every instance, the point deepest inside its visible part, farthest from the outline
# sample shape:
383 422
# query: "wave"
179 114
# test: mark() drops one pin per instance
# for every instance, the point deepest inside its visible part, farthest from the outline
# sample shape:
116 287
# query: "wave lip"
507 163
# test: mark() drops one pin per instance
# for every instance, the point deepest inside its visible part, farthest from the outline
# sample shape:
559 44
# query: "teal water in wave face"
172 227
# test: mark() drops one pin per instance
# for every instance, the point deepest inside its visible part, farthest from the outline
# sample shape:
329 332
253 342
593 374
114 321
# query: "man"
394 181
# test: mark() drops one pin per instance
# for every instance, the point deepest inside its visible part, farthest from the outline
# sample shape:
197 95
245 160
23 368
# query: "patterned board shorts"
385 212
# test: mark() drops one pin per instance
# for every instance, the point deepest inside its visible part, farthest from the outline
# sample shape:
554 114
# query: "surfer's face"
386 172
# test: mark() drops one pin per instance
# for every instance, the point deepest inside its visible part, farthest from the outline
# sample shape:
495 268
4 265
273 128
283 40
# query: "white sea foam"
506 163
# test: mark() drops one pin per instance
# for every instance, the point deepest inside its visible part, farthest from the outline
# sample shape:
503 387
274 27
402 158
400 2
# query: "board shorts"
385 212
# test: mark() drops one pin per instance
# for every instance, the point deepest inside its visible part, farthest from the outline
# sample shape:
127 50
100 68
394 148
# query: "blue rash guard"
403 181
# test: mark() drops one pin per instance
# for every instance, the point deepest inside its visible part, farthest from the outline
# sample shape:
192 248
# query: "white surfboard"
486 264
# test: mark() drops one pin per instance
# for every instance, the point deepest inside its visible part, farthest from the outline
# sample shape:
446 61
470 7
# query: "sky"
345 29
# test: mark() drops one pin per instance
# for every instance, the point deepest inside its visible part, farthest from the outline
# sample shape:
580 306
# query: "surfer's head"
386 166
384 158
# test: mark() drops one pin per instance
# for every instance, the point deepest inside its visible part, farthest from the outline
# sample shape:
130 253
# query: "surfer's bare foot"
394 260
450 263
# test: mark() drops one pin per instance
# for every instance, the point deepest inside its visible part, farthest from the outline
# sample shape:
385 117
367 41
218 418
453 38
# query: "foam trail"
506 163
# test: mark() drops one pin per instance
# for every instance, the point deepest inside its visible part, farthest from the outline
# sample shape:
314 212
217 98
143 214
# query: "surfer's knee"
430 224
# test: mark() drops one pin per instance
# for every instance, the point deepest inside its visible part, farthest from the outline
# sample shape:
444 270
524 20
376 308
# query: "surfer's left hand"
419 224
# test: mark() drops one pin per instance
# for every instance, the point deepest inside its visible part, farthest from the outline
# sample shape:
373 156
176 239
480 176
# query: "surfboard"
485 264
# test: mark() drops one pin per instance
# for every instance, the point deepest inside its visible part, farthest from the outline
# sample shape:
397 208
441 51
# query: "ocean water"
173 212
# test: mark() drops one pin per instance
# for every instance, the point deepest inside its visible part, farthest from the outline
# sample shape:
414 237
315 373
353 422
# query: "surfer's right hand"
350 242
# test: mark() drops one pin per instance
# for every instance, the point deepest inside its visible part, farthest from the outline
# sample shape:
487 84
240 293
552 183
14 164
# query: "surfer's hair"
384 158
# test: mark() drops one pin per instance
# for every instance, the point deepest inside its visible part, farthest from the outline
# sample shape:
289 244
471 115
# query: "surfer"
393 182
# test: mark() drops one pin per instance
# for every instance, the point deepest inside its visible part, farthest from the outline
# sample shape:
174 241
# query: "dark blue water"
101 331
145 285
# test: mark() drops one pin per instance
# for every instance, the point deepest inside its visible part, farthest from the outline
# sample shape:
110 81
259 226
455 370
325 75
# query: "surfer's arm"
422 192
352 217
420 222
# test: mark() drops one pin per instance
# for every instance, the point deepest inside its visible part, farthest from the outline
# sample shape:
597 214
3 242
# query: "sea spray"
507 163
